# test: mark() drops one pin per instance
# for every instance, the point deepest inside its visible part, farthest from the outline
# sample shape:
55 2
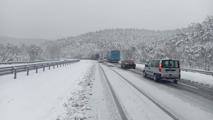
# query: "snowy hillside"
192 45
104 40
20 41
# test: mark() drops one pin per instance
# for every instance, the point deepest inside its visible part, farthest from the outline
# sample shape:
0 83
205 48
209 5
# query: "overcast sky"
52 19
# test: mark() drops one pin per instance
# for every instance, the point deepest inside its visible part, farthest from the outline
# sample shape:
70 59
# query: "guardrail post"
53 66
27 70
15 72
49 66
43 67
57 65
36 69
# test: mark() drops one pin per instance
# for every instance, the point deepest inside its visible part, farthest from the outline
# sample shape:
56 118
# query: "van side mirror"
146 65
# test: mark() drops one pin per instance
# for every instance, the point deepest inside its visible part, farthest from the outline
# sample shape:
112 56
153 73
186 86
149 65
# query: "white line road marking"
189 85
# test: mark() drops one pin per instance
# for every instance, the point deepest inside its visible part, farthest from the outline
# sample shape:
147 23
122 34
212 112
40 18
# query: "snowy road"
193 82
180 103
132 101
93 91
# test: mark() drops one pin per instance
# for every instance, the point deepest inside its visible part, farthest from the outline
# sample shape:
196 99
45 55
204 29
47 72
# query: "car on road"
100 60
128 64
163 69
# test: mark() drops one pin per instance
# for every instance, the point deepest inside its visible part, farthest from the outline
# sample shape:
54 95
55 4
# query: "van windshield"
170 64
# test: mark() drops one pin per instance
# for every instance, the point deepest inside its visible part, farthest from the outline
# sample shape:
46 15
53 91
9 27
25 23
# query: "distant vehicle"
165 69
100 60
93 57
128 64
113 56
97 56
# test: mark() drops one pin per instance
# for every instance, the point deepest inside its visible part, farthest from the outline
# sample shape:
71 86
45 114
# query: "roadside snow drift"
198 77
40 96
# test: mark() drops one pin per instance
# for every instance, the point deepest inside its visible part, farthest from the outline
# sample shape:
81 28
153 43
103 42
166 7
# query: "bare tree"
8 53
53 51
34 52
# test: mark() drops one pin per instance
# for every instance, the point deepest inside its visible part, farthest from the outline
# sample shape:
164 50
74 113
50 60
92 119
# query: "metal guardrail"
18 62
199 71
34 66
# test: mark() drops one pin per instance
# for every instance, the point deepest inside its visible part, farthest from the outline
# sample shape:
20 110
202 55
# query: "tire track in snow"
118 105
173 116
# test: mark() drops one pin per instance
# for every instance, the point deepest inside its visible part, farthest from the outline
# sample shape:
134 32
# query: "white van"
165 69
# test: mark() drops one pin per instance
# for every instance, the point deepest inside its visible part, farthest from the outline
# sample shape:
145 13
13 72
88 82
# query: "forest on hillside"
192 45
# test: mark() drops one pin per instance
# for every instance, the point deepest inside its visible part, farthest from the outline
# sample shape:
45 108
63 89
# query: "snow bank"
197 77
40 96
76 106
140 66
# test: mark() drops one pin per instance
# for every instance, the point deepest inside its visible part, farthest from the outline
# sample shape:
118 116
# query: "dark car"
128 64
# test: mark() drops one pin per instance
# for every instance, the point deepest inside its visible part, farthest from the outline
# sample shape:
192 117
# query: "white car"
165 69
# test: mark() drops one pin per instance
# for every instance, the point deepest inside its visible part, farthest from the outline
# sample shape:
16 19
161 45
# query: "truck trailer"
113 56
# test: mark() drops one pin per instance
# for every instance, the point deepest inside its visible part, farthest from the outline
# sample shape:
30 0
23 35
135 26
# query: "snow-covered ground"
78 91
191 76
140 66
198 77
44 96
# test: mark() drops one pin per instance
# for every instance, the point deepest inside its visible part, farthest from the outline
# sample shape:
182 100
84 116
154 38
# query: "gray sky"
52 19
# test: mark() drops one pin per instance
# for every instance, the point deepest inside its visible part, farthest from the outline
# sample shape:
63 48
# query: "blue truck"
113 56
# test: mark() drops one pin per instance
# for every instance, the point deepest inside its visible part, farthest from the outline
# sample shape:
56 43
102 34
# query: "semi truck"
113 56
